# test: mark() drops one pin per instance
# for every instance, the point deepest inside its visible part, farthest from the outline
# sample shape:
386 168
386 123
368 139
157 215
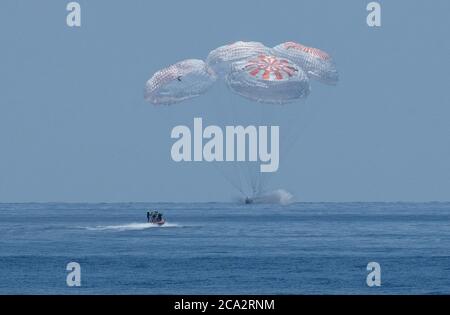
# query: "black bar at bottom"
183 304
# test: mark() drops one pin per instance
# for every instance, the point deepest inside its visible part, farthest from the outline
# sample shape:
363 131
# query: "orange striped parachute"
268 79
315 62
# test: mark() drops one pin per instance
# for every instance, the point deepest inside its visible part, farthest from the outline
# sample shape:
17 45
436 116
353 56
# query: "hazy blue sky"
74 125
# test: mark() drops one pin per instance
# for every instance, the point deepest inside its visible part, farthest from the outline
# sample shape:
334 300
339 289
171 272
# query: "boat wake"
131 227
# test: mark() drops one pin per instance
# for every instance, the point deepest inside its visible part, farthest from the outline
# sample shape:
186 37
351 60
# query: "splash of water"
279 196
131 227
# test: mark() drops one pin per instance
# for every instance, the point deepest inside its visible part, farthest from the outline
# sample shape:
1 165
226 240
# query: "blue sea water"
224 248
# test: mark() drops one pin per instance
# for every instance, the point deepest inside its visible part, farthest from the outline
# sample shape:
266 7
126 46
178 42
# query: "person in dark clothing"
148 216
159 217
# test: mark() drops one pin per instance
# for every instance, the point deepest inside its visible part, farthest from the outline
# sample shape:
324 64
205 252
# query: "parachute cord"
229 180
267 118
244 171
292 130
253 174
236 165
306 112
221 114
259 176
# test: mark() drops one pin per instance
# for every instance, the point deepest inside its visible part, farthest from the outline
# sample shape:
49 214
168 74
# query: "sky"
74 126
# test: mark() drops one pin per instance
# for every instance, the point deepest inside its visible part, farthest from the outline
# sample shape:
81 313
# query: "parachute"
268 79
221 59
315 62
254 73
181 81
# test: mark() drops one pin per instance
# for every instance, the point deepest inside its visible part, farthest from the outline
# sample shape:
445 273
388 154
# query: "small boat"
155 217
161 222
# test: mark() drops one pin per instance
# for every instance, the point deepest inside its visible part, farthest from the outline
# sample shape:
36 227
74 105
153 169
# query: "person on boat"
159 217
148 216
153 216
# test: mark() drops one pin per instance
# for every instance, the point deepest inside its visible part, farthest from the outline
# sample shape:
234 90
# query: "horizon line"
177 202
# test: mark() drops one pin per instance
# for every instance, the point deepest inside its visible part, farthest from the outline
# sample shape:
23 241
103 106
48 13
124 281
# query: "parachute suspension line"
249 170
289 131
283 117
286 115
229 180
298 119
239 169
224 113
259 179
270 116
296 129
228 170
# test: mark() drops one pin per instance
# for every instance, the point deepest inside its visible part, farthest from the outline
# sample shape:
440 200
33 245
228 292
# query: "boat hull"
159 222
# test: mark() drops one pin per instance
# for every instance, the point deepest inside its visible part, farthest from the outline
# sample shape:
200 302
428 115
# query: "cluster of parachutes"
275 75
258 73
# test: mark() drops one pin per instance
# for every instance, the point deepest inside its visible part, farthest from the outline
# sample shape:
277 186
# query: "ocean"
225 248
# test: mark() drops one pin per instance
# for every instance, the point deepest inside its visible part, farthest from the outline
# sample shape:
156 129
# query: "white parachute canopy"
220 59
268 79
315 62
181 81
